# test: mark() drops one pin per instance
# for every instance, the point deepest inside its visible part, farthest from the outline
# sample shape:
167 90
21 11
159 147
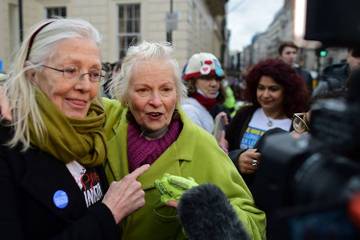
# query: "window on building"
129 27
52 12
14 33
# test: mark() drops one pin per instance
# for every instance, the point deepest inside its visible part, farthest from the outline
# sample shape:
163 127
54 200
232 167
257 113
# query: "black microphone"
206 214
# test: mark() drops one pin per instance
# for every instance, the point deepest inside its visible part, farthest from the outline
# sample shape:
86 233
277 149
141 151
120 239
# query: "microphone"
206 214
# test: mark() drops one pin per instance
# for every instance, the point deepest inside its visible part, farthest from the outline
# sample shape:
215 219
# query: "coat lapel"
116 165
168 162
46 175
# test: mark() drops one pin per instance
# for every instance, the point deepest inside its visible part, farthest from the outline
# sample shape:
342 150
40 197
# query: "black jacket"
306 76
235 132
238 126
27 211
334 77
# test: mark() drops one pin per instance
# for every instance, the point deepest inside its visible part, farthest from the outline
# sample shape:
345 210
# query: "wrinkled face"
270 94
72 97
289 55
152 94
209 87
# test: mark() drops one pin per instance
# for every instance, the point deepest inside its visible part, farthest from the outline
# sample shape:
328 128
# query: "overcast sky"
247 17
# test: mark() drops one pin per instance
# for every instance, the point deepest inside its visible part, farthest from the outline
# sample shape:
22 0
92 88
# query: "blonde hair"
43 39
145 51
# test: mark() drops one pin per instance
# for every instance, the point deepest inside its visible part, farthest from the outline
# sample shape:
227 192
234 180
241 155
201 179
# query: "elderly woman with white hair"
51 154
153 129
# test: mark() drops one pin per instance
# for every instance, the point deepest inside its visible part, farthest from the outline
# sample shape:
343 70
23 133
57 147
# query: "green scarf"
69 139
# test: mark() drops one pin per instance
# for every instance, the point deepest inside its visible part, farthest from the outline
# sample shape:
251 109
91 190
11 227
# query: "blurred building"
260 46
199 25
265 44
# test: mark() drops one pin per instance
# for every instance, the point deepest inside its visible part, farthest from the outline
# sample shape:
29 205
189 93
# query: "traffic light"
322 52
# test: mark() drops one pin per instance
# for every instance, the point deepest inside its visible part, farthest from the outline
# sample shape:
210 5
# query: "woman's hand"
172 203
223 143
126 196
223 116
4 105
248 161
221 120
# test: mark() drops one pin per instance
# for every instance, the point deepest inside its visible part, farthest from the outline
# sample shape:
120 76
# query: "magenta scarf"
143 151
208 103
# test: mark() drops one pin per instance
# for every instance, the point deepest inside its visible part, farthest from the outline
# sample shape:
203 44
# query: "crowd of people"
75 165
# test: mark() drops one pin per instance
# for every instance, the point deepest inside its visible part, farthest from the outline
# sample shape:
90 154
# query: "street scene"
179 119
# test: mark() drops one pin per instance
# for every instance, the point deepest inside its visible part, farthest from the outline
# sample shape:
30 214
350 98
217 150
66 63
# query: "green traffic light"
323 53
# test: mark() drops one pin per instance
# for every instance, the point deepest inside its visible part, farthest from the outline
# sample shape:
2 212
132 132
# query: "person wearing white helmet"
203 75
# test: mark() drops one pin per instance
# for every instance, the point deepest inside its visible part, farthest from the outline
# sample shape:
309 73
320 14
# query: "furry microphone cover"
206 214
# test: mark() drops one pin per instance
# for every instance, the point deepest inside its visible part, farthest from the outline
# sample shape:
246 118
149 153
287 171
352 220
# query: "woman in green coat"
152 129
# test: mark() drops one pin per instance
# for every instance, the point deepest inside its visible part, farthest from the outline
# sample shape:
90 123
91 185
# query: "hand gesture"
249 161
221 120
223 143
126 196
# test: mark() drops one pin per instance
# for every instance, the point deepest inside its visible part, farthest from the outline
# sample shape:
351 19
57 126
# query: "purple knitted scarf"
142 151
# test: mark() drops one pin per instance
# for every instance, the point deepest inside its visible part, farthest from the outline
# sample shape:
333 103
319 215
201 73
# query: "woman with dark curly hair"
275 92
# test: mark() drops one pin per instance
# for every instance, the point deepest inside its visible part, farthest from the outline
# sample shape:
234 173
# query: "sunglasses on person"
300 123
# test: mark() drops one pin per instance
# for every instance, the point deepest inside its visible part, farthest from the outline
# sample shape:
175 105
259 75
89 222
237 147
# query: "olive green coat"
194 154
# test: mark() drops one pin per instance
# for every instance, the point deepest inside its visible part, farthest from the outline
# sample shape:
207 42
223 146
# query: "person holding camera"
275 92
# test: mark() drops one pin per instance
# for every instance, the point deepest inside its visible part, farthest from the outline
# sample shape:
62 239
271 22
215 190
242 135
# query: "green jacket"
194 154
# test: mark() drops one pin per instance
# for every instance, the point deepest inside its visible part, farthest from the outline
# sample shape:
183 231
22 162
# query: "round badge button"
60 199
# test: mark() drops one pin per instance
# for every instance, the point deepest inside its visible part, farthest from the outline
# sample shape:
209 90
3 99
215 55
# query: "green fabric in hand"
171 187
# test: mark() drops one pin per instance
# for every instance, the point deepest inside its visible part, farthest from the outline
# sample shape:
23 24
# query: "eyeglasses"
300 123
73 73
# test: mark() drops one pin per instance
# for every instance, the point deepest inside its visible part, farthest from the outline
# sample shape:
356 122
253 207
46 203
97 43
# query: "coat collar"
170 161
113 110
44 176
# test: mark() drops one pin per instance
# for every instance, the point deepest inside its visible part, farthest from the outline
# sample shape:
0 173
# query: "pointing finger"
139 171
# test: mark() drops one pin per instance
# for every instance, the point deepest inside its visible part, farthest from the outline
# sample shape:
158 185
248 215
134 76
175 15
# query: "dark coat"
235 132
336 75
306 76
28 181
238 126
333 78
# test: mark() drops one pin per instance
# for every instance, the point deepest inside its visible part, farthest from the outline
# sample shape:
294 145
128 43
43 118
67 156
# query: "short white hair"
145 51
43 37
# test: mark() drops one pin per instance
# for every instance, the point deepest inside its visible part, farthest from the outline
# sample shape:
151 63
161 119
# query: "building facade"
200 24
265 44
